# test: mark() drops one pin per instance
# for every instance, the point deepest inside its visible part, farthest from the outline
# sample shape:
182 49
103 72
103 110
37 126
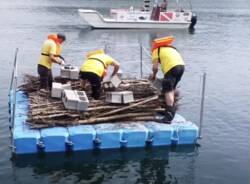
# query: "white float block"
65 73
128 97
115 80
121 97
74 73
69 72
75 100
70 99
57 89
83 102
66 86
120 73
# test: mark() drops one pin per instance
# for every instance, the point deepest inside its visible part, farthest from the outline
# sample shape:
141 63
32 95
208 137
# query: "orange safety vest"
58 45
161 42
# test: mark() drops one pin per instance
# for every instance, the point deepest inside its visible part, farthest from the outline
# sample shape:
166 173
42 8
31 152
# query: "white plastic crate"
74 73
127 97
66 86
75 100
57 89
70 99
69 72
83 102
65 73
115 80
120 73
121 97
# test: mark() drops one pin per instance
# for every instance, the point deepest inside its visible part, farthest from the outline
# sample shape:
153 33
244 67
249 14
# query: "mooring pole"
141 60
202 103
105 47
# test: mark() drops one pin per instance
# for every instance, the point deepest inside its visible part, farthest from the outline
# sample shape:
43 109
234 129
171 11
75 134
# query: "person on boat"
172 66
95 68
50 53
164 6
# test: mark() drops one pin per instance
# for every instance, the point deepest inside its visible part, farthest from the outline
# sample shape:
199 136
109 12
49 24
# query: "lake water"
219 47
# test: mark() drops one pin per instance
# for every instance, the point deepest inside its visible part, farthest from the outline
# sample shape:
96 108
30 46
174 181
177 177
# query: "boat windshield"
175 4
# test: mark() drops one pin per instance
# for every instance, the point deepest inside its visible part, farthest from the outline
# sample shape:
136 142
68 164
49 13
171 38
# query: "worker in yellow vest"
95 68
50 53
172 66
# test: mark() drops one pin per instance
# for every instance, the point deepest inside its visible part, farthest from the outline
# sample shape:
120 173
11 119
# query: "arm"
57 60
53 54
154 70
116 66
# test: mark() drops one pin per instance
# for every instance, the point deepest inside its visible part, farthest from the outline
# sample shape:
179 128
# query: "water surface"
219 47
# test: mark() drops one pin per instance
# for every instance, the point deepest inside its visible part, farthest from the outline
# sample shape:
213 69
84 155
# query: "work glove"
62 62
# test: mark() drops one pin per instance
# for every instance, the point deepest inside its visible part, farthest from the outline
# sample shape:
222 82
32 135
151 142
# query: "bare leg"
169 98
83 83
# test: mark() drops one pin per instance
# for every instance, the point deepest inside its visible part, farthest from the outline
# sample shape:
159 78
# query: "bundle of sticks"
45 111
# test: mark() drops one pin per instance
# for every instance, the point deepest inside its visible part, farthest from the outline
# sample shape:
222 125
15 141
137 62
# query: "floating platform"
99 136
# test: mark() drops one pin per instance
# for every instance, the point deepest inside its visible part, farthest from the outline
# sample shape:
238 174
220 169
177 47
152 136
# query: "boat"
157 17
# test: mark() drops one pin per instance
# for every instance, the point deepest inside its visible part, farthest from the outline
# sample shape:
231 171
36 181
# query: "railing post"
141 61
13 87
13 71
202 103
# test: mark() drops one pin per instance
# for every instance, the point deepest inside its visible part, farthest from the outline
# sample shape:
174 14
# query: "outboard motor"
193 22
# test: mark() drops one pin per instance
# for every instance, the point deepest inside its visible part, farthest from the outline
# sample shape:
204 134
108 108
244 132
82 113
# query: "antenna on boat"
190 4
141 60
146 5
177 4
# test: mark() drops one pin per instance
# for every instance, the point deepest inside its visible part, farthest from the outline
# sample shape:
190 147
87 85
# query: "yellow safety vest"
97 63
168 57
49 47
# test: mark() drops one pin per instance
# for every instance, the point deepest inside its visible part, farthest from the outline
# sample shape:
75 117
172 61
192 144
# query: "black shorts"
95 82
172 77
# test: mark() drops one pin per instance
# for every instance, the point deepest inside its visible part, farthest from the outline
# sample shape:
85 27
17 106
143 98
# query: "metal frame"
12 91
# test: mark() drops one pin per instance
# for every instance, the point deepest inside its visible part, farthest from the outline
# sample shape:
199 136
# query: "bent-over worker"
172 66
94 70
50 53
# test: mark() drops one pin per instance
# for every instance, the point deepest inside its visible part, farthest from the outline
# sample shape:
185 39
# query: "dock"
100 136
34 130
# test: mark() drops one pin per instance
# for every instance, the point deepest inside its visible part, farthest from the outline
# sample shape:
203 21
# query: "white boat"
145 18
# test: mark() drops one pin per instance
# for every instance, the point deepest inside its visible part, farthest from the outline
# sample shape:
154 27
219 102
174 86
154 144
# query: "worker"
164 6
172 66
50 54
95 68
